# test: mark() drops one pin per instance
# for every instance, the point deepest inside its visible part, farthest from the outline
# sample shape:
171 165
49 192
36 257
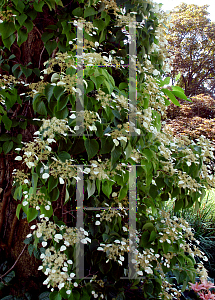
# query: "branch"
14 263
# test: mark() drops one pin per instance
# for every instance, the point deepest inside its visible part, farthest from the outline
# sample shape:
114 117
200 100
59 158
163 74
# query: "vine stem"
14 263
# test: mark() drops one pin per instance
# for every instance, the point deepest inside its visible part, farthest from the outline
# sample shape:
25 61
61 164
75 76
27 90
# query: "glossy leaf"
92 147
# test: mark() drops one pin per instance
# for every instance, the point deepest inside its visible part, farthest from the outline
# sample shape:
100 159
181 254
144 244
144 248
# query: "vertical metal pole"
132 221
79 247
80 83
132 79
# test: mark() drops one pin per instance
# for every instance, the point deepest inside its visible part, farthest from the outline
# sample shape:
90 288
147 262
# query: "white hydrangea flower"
61 181
84 241
97 223
60 286
70 262
18 158
100 249
148 270
45 176
117 241
116 142
86 170
58 236
62 248
68 292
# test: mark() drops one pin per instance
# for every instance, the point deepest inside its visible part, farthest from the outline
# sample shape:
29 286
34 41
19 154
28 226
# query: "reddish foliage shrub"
194 118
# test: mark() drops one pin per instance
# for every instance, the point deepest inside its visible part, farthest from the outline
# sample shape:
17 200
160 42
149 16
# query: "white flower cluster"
55 263
52 126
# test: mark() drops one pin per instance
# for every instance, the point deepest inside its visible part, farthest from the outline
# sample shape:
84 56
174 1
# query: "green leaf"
27 72
22 37
34 182
166 81
123 86
105 267
115 155
178 204
7 146
31 249
148 226
50 46
7 29
123 192
63 156
171 96
20 6
89 11
29 25
180 94
153 236
5 137
9 41
41 108
92 147
78 12
144 239
36 71
54 194
100 24
176 273
44 296
39 6
55 296
49 91
178 76
58 91
76 295
102 36
52 183
106 145
18 193
62 114
21 19
62 102
66 196
19 206
7 122
177 88
107 188
71 297
9 277
31 214
46 36
91 187
47 213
